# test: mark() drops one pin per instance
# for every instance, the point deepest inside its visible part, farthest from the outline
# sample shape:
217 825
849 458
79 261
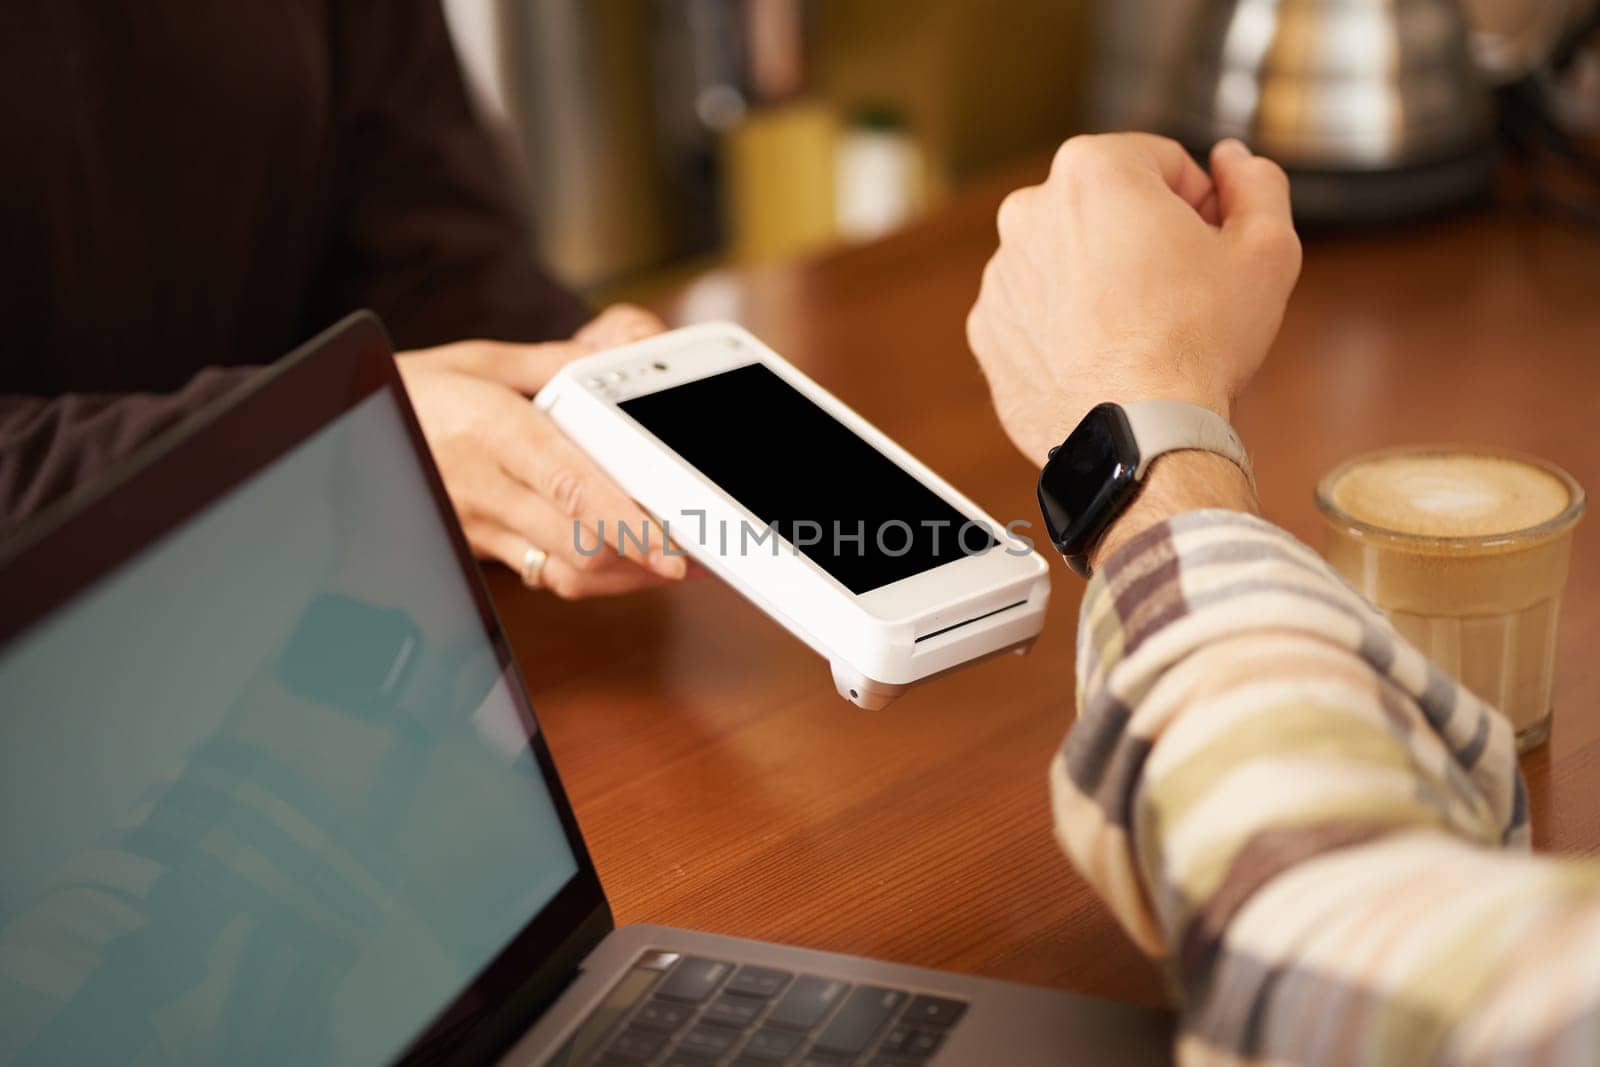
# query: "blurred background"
654 139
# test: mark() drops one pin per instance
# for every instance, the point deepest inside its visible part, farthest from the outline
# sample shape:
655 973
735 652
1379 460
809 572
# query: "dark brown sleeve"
51 446
424 229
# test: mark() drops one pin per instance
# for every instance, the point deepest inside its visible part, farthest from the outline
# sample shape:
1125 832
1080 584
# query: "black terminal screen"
819 485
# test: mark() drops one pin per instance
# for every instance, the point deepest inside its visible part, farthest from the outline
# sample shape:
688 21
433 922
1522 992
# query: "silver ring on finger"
533 561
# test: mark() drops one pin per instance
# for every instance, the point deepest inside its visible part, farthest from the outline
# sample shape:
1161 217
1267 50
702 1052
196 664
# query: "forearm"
1275 794
1215 621
1408 948
51 446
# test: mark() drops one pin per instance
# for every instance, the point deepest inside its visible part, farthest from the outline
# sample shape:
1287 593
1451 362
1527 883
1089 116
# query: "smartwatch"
1092 476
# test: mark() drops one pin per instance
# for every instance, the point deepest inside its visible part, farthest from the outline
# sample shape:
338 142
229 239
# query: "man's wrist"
1132 392
1177 482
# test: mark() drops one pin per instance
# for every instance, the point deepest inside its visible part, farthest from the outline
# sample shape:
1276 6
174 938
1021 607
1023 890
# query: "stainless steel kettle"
1374 106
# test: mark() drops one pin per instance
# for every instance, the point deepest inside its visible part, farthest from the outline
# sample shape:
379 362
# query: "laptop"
273 792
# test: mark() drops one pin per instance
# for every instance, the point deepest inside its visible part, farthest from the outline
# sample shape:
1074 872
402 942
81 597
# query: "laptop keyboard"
699 1011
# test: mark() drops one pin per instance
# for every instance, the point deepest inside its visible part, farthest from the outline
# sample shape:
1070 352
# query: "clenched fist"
1131 274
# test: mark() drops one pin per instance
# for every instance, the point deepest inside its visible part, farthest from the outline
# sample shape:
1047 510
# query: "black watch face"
1089 479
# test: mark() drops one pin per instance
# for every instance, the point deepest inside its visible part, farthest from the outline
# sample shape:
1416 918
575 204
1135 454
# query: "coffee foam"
1450 494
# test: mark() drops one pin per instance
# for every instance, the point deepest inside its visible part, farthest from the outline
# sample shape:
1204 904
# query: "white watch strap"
1161 426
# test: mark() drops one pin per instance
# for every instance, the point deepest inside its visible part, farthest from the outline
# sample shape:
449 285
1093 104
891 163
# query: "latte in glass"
1466 550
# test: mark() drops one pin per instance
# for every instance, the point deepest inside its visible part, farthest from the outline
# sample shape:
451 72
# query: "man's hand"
1130 274
514 479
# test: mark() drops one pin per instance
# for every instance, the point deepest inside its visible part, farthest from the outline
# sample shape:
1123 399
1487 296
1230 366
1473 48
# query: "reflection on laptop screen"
266 795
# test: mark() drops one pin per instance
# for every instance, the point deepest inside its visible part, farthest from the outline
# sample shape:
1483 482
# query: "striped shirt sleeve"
1321 837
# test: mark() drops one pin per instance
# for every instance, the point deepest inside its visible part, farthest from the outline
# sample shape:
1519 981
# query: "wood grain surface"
722 785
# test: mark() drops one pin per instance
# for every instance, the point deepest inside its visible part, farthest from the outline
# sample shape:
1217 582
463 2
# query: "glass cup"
1466 550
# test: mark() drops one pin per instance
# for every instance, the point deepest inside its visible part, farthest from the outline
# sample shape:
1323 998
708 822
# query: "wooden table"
721 783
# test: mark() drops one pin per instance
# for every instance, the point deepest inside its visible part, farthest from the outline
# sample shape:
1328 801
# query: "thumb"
1251 191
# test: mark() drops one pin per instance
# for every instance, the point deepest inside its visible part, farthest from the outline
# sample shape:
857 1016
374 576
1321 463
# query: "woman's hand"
515 481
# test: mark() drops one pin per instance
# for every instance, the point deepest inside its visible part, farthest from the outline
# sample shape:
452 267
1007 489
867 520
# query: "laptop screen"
266 793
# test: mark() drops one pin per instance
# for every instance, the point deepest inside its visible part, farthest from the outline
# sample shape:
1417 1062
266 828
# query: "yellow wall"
978 82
